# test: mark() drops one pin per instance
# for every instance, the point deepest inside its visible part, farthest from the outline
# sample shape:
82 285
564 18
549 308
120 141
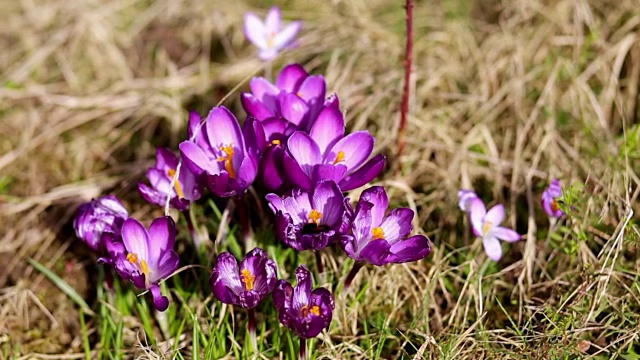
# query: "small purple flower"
378 239
464 199
104 215
302 310
327 154
269 36
485 225
146 257
220 155
296 96
247 285
311 220
185 190
550 198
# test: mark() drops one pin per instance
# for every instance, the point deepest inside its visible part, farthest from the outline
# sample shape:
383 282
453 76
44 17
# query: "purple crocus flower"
302 310
327 154
311 220
146 257
247 285
380 239
296 96
94 219
464 199
220 156
485 225
185 190
269 36
550 198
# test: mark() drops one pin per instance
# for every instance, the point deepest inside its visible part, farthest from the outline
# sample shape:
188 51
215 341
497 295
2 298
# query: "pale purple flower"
485 225
550 198
270 36
464 199
220 155
302 310
379 238
185 190
246 285
326 153
94 219
145 257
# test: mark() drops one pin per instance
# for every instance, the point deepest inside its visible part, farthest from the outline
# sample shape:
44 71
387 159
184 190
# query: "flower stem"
252 330
319 263
197 242
408 62
352 274
303 349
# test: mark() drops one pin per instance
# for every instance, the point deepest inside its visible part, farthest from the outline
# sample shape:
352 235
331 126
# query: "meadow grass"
506 96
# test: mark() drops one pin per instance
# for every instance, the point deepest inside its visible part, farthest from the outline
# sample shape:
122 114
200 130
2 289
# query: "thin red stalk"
408 63
303 349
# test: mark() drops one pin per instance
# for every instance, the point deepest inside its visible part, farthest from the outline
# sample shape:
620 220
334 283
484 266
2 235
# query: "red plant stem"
408 63
352 274
252 330
319 265
303 349
192 230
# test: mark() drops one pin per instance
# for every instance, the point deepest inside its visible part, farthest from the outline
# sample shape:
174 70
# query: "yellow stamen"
271 39
339 157
178 187
276 142
378 233
315 216
228 160
133 258
554 205
305 310
144 268
141 264
248 279
486 227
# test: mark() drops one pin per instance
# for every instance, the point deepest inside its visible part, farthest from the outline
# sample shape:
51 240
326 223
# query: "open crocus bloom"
219 155
146 257
464 199
378 239
327 154
246 285
104 215
304 311
269 36
311 220
550 198
296 96
485 225
185 189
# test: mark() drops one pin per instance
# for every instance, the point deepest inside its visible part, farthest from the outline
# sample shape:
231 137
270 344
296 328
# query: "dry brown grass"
507 95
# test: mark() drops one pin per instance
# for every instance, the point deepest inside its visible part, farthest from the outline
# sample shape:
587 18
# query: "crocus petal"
362 223
151 195
412 249
225 279
293 108
291 77
313 88
282 299
255 30
376 252
505 234
272 21
377 196
295 174
256 108
265 91
328 128
495 215
268 54
477 211
302 291
286 36
332 101
304 151
492 247
136 238
464 199
168 263
328 172
355 147
263 268
162 234
364 174
327 198
397 226
160 302
271 173
223 129
196 159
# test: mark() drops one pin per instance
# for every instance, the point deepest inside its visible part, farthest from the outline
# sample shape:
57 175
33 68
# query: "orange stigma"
339 157
377 233
248 279
305 310
228 159
172 173
554 205
141 264
486 227
315 216
276 142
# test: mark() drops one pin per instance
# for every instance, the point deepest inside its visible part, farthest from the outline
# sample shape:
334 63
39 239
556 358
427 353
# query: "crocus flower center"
228 159
248 279
172 173
271 39
339 157
377 233
488 225
306 310
315 217
276 142
139 263
554 205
